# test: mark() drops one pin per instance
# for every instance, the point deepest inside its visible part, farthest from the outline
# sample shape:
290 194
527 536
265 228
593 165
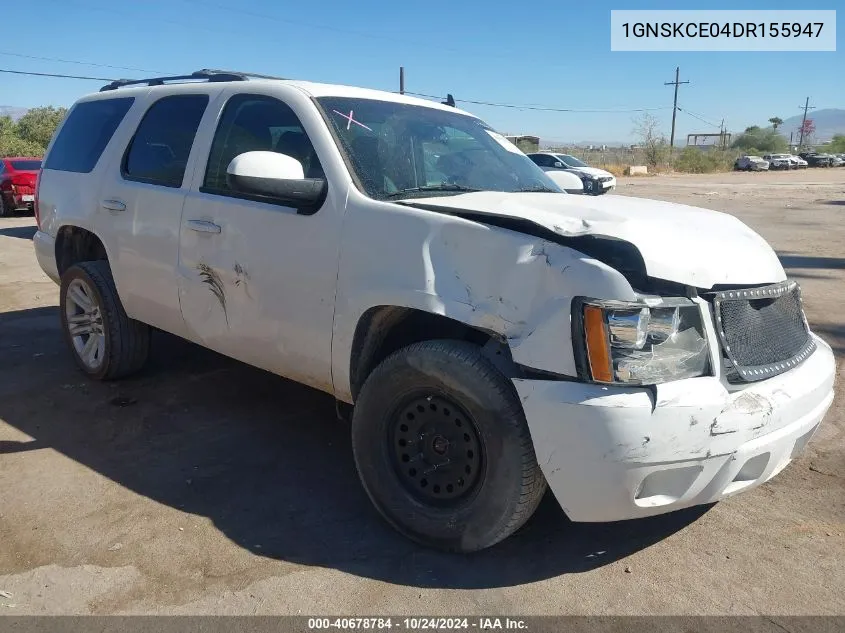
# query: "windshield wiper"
428 188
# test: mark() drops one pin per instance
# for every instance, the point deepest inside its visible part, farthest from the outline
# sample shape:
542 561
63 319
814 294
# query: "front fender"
517 286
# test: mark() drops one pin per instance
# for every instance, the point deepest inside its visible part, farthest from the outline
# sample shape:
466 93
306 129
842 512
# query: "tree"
38 125
776 121
806 132
653 142
762 140
31 134
837 144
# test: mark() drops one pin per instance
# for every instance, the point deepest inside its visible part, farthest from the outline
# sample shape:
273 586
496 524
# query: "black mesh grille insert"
763 330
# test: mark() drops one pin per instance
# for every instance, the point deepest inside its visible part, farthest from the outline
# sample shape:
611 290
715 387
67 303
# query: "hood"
592 171
678 243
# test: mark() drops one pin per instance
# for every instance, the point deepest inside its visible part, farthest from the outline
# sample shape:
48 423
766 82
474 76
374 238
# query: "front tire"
106 344
443 448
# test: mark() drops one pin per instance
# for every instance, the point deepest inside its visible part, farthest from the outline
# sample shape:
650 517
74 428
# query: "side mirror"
276 176
558 164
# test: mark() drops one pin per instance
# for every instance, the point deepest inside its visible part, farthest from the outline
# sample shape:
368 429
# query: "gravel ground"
204 486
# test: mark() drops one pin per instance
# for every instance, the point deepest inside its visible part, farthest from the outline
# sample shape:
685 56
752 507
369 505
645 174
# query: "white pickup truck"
493 333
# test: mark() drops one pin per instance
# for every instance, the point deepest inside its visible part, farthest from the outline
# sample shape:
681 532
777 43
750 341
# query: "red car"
17 183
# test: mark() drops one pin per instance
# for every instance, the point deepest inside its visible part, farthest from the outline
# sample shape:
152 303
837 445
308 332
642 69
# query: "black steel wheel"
437 451
443 448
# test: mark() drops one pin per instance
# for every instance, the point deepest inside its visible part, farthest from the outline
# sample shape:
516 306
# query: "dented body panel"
612 453
504 282
678 243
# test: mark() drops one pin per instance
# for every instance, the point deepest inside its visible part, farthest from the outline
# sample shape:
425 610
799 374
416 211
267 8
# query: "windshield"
26 165
571 161
403 151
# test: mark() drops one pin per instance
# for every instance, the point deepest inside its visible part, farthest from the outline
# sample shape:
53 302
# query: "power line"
695 116
80 63
22 72
534 106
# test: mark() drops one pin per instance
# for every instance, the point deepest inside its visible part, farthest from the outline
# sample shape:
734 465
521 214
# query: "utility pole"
807 106
401 80
675 83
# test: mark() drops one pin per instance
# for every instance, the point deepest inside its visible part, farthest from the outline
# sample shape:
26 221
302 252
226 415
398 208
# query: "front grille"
763 331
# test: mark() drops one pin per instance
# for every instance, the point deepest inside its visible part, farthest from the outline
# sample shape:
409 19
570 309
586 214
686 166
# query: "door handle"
203 226
115 206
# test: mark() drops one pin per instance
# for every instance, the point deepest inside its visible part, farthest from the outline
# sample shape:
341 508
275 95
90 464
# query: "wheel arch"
384 329
76 244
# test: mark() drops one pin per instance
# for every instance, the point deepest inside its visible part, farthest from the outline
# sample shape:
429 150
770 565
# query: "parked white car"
799 162
567 181
596 181
493 333
751 163
780 161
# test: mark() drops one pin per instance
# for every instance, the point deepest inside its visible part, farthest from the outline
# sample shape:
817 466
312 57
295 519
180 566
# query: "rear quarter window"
85 134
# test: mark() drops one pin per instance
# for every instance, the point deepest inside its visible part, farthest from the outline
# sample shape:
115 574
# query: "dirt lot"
205 486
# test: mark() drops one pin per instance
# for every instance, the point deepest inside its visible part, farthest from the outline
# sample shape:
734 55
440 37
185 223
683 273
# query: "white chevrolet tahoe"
494 334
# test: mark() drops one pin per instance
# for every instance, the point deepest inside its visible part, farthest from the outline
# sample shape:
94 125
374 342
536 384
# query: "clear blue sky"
549 53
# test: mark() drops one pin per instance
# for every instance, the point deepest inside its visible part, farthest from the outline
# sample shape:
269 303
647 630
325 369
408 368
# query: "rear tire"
121 345
5 210
443 448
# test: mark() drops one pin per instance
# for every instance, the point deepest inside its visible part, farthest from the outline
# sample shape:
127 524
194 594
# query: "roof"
222 78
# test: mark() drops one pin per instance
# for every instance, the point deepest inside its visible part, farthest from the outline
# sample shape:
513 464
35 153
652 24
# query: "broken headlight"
641 343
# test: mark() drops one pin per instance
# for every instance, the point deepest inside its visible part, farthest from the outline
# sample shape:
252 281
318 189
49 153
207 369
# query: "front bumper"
612 453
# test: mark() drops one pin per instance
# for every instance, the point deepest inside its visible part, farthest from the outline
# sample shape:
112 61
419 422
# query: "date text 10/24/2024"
418 624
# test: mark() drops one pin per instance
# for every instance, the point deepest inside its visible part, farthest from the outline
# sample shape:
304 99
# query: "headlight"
639 344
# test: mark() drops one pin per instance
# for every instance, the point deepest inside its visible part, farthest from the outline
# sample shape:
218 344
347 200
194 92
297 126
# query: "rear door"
141 201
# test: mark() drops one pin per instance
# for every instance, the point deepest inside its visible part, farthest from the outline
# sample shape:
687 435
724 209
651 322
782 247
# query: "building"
525 142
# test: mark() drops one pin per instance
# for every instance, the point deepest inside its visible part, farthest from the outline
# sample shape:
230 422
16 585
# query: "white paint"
266 165
678 242
296 286
501 140
596 445
566 181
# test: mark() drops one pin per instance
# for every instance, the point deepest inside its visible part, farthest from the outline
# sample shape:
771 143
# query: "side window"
158 153
85 134
257 123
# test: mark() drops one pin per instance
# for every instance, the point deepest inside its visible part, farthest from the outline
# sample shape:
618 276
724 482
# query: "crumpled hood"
679 243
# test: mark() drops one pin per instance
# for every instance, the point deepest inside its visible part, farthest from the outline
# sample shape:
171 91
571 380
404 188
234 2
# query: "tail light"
23 180
35 203
6 185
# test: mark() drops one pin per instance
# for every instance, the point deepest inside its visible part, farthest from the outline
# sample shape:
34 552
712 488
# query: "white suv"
493 333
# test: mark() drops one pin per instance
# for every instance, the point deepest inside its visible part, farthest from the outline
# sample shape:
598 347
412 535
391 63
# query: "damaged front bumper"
611 453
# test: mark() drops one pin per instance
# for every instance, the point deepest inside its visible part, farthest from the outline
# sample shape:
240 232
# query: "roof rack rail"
206 75
238 72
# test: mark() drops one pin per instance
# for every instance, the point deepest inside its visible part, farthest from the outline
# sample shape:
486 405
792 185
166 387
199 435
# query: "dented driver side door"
256 279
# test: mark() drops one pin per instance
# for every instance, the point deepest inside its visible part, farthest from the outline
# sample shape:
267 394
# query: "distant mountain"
828 122
12 111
